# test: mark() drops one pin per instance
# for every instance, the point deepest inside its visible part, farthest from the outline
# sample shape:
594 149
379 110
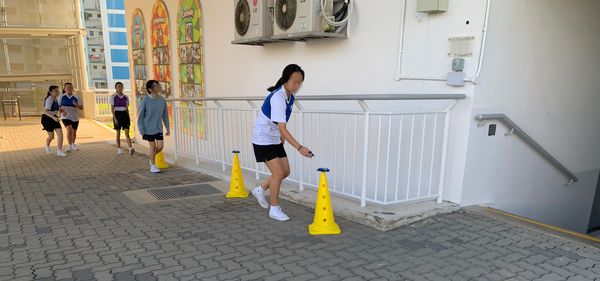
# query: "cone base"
324 230
237 195
162 166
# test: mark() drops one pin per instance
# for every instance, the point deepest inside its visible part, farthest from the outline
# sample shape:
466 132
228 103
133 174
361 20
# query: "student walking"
119 104
50 121
70 104
151 116
269 135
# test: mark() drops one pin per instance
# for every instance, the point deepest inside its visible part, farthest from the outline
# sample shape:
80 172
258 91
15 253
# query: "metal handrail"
536 146
339 97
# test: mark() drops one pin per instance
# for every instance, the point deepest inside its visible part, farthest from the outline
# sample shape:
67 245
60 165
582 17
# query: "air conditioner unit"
253 19
300 17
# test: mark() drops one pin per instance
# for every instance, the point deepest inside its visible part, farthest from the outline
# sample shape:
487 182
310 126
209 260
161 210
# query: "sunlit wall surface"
40 13
40 45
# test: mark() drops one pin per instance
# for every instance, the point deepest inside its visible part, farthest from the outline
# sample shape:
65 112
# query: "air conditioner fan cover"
286 13
242 17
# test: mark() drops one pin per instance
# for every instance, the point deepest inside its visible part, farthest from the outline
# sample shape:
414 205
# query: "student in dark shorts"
269 135
119 104
70 104
152 113
50 121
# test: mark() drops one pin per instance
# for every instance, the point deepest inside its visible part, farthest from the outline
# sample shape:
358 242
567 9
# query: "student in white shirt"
270 133
70 104
50 121
119 104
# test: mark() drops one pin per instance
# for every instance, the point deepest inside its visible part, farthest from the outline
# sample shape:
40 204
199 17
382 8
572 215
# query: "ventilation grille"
169 193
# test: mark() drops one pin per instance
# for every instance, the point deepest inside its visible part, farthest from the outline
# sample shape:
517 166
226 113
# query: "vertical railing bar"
378 154
301 134
222 134
334 147
445 152
176 131
421 157
345 148
432 152
257 166
354 148
310 164
387 165
412 131
398 157
363 196
195 137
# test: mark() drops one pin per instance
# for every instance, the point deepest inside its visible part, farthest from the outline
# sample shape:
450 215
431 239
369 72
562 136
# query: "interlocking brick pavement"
67 219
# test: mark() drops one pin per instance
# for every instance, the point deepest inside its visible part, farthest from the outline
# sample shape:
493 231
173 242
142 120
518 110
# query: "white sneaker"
154 169
74 147
60 153
48 150
119 151
259 194
276 213
68 149
131 151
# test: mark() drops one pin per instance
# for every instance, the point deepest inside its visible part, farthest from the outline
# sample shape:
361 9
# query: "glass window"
119 55
115 4
120 72
116 20
118 38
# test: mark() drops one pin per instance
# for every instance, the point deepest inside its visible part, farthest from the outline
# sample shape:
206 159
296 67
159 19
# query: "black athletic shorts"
123 121
264 153
152 138
49 124
68 122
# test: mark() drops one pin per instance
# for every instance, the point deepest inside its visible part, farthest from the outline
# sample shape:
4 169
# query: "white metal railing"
102 105
375 156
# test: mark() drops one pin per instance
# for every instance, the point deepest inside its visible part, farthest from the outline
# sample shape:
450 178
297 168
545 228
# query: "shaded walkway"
68 219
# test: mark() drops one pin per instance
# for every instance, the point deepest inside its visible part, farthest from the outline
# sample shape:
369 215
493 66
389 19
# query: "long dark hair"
149 85
50 89
285 76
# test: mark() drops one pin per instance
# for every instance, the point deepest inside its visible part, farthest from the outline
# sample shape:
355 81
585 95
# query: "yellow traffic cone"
237 189
324 223
159 159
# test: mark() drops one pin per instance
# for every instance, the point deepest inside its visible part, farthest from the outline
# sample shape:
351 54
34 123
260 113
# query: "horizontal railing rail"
370 97
514 128
378 157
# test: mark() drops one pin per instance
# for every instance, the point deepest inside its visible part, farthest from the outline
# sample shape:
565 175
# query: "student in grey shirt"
152 113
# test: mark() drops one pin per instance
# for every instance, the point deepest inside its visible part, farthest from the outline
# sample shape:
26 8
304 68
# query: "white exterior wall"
366 63
541 69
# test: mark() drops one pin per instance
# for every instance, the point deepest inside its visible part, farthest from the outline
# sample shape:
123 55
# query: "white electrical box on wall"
432 6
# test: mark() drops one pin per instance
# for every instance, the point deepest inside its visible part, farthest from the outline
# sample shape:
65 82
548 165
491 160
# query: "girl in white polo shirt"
270 133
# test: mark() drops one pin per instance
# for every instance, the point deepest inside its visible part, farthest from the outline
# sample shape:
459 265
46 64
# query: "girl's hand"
55 118
282 140
306 152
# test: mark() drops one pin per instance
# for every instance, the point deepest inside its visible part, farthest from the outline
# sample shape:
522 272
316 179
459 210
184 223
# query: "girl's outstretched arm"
305 151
